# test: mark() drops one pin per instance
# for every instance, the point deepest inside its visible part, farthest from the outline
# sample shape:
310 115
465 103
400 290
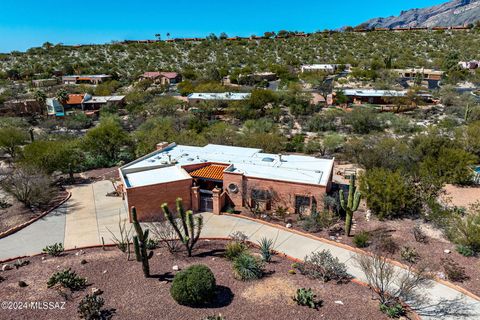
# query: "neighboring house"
216 177
163 78
470 65
41 83
257 77
222 97
21 108
86 79
380 97
426 74
82 102
327 68
54 107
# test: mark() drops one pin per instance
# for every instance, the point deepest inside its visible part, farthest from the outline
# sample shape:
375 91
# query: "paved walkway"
89 215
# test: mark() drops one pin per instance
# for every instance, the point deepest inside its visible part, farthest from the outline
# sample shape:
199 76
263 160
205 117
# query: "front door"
206 201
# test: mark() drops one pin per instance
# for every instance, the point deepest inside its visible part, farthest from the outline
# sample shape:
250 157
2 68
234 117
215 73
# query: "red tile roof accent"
212 171
169 75
152 75
75 98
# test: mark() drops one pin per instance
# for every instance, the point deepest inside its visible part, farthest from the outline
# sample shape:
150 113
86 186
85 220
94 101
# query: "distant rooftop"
224 96
248 161
93 76
374 93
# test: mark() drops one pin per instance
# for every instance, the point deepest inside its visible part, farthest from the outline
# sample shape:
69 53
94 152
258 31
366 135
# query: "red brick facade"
148 199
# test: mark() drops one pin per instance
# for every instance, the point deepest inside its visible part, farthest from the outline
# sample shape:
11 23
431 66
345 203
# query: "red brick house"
214 177
163 78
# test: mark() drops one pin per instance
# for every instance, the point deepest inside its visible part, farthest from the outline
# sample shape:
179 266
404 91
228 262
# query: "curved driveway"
89 215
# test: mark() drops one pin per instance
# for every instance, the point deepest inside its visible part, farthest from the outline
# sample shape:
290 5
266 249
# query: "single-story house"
215 177
86 79
380 97
163 78
327 68
222 97
82 102
21 108
427 74
39 83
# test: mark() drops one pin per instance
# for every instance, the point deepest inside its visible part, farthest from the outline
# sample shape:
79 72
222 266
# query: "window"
302 204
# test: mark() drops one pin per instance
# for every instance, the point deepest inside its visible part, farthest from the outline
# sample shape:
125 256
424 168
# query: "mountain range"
452 13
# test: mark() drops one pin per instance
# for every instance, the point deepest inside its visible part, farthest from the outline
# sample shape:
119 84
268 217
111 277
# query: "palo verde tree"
188 229
351 205
140 244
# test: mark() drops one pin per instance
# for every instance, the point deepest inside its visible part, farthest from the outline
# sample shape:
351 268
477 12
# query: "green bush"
54 250
465 251
464 229
361 240
306 297
90 308
409 254
194 286
394 311
322 265
246 267
233 249
67 279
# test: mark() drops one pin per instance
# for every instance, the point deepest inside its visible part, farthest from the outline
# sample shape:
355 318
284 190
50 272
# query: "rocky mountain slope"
452 13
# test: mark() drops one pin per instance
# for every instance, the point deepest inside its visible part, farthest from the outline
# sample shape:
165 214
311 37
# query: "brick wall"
148 199
283 192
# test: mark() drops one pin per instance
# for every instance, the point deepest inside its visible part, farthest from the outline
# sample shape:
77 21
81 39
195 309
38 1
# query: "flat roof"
219 96
88 76
156 176
251 162
374 93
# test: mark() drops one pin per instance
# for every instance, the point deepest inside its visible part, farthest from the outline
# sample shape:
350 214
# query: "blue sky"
27 23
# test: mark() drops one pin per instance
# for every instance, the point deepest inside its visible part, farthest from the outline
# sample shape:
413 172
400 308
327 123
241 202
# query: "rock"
213 259
175 268
441 275
288 225
339 302
83 261
104 271
368 215
96 291
79 252
339 238
446 251
7 267
333 238
22 284
44 258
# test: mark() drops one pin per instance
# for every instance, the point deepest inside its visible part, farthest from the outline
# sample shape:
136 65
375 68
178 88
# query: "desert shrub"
247 267
465 229
266 249
465 251
281 213
409 254
383 241
78 121
152 244
306 297
215 317
394 311
311 224
29 186
361 240
322 265
233 249
453 270
238 236
165 234
90 307
419 235
194 286
54 250
67 279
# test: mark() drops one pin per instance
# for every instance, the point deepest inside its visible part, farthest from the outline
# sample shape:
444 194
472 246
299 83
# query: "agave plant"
266 248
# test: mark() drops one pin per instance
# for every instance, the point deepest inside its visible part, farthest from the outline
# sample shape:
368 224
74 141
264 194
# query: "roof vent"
185 155
268 159
190 159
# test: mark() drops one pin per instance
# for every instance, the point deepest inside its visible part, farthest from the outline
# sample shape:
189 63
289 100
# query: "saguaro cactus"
188 229
351 205
140 244
468 111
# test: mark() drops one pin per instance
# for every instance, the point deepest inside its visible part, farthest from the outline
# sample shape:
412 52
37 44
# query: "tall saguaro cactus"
188 229
351 204
140 244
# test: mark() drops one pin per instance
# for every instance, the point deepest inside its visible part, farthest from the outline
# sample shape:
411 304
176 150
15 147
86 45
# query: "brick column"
217 205
195 198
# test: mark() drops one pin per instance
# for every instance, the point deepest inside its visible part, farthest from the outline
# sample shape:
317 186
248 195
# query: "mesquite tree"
187 228
140 244
351 205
